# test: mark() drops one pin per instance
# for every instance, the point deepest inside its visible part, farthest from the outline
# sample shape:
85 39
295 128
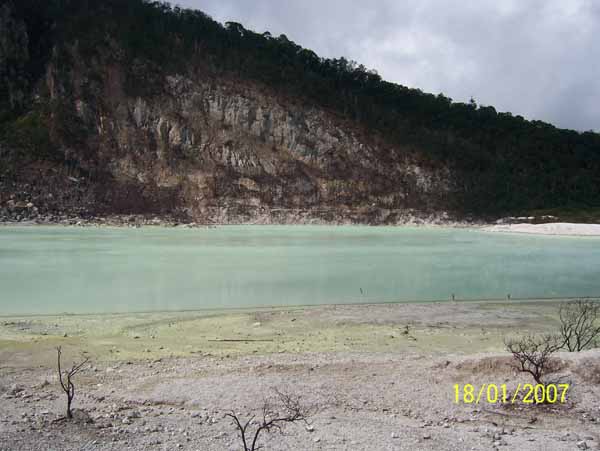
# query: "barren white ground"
374 384
556 228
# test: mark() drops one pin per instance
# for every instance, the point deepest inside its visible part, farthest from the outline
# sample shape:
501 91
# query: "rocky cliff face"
134 107
210 149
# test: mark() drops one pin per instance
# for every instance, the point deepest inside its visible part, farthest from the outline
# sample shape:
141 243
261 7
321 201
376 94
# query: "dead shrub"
66 379
534 354
579 326
276 412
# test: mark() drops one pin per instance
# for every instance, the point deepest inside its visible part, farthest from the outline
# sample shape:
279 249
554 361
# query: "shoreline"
224 311
137 221
307 328
548 229
560 229
321 328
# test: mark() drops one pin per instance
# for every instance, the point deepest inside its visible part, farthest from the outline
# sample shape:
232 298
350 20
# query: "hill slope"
126 106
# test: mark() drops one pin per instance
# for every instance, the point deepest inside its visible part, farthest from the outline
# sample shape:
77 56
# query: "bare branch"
241 428
65 378
533 354
579 326
275 414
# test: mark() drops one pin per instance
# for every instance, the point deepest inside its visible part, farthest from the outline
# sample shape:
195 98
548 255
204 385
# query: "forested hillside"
69 65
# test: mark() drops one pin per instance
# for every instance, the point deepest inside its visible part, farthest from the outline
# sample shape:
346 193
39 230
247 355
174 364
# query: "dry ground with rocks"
165 381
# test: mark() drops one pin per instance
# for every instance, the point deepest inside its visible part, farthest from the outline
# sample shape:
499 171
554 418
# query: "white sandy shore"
555 228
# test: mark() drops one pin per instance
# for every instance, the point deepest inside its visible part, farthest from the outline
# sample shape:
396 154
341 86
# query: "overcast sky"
537 58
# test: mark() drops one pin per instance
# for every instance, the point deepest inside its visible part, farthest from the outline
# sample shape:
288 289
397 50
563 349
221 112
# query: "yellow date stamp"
500 394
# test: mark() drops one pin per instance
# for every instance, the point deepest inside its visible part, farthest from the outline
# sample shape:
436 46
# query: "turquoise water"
85 270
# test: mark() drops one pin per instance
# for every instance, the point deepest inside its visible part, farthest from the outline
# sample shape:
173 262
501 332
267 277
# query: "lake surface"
87 270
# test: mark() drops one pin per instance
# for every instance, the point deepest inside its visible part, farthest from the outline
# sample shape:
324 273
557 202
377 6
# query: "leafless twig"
66 379
533 354
274 416
579 326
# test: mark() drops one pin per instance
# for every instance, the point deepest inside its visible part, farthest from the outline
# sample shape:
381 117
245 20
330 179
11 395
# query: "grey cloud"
536 58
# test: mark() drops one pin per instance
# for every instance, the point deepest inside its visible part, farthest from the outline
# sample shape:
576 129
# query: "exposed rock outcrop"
202 147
